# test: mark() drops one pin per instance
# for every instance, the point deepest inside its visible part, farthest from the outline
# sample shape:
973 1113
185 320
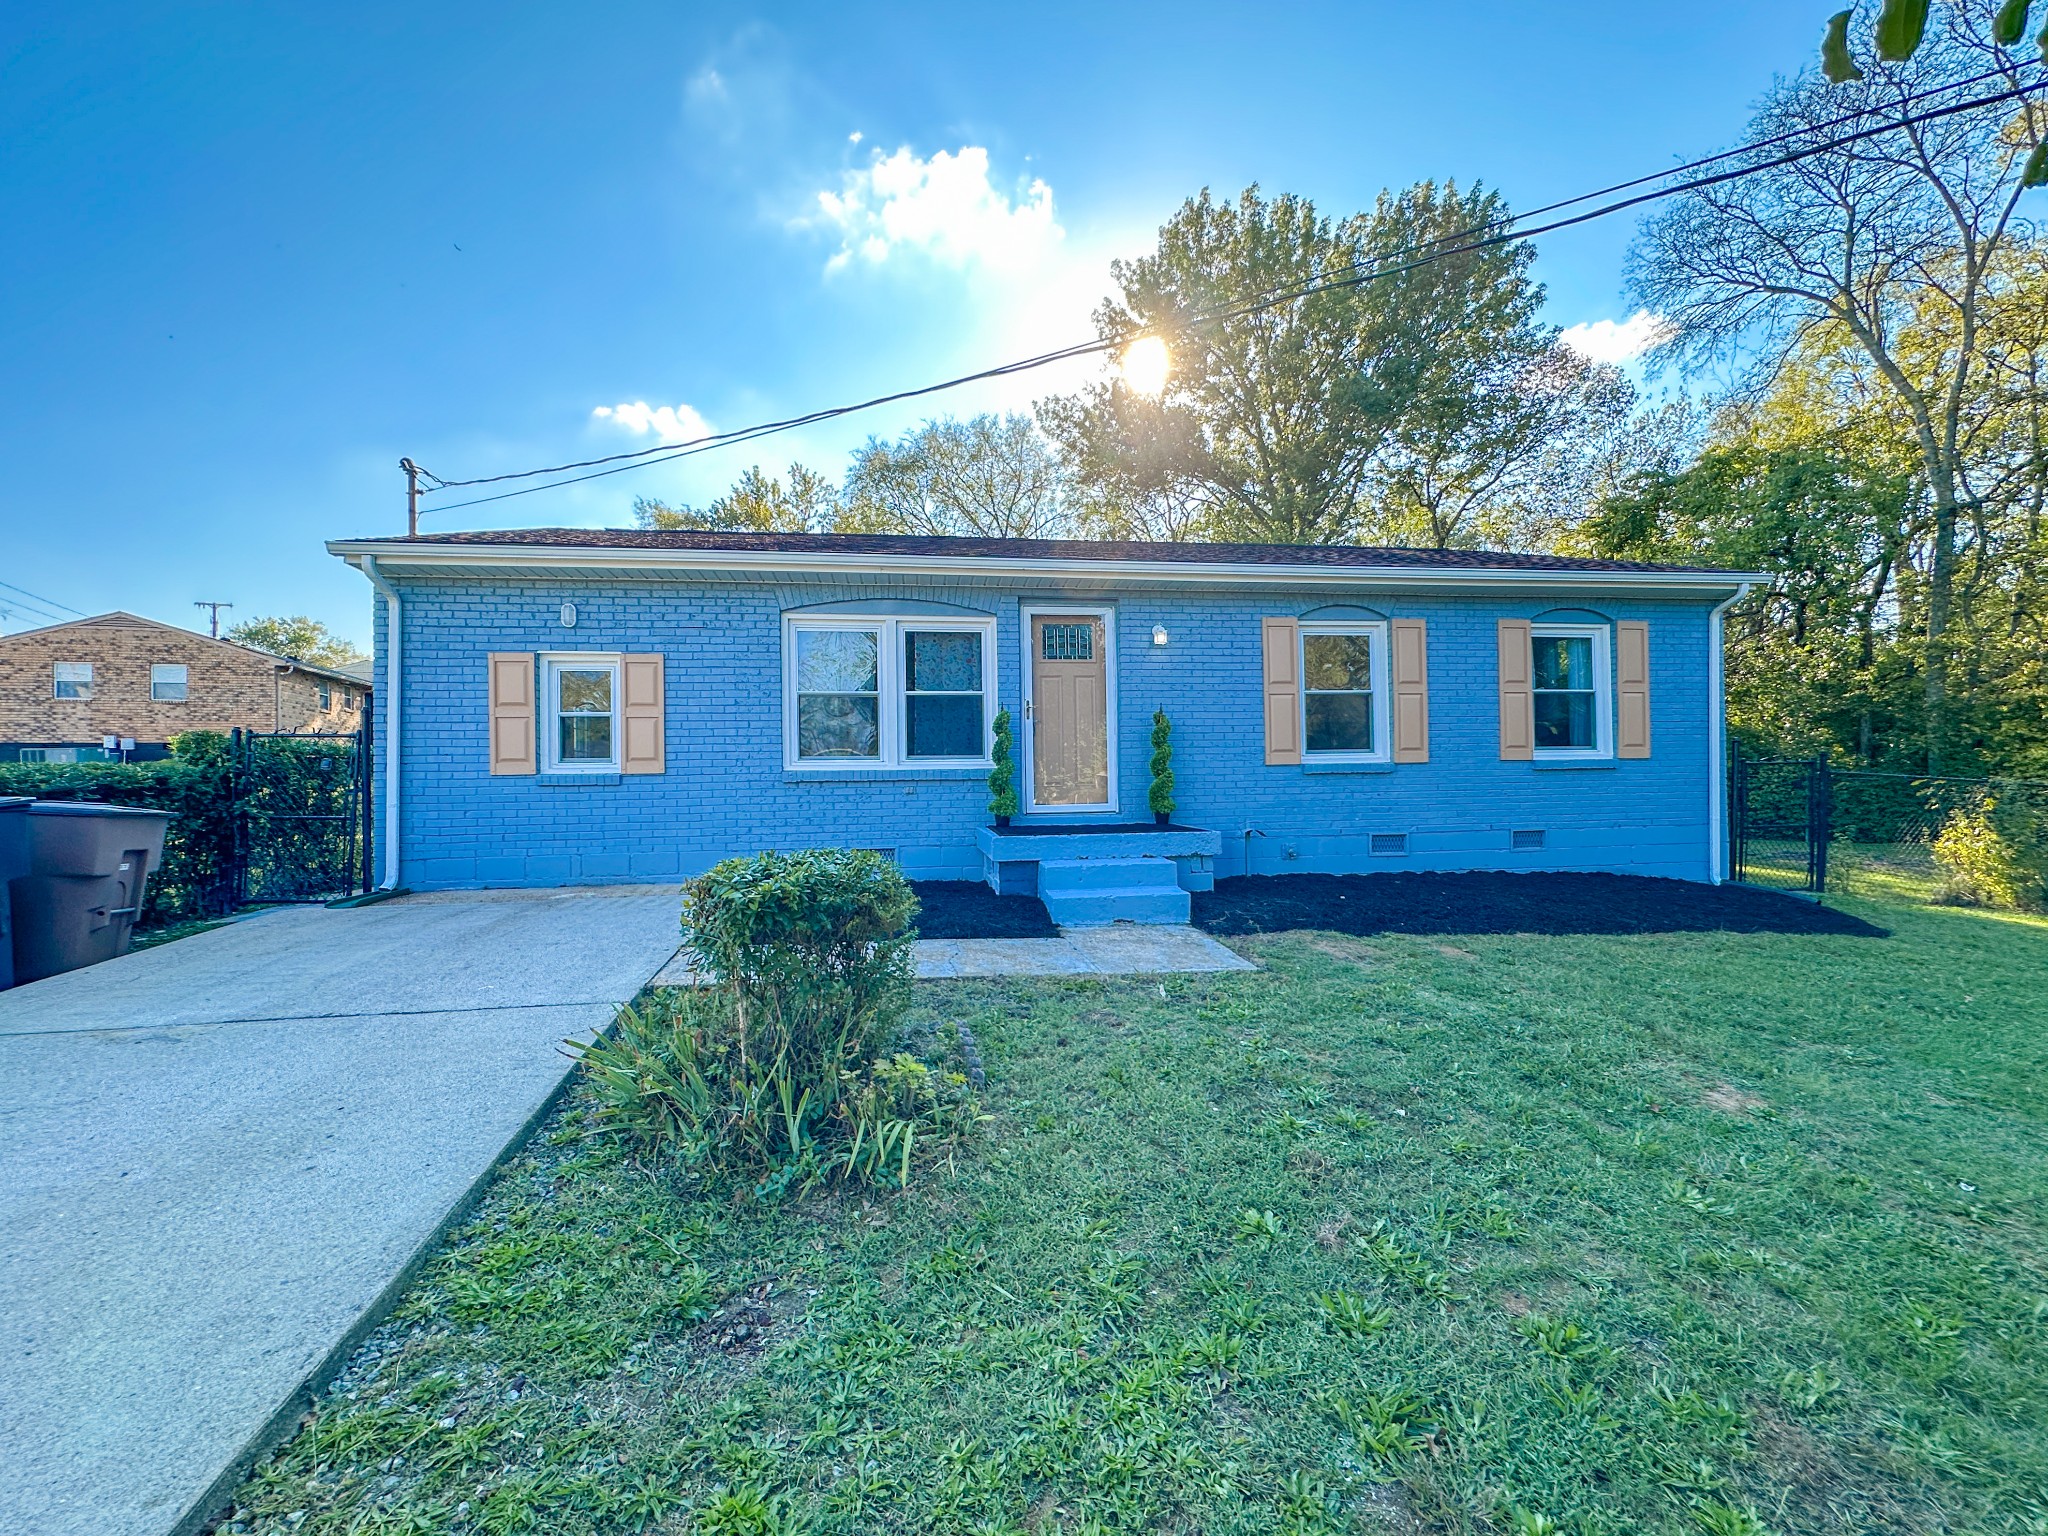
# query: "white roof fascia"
544 556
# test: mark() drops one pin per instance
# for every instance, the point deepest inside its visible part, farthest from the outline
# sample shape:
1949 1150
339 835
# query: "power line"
742 434
1357 275
45 602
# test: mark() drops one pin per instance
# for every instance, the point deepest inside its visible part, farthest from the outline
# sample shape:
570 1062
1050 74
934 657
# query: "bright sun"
1145 364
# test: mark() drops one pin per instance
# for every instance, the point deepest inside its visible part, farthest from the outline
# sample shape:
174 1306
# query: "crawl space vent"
1528 840
1389 845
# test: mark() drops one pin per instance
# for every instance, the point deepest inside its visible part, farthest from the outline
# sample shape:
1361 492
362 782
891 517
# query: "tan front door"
1069 710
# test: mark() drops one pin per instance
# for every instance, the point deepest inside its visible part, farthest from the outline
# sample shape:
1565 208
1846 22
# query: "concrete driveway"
218 1157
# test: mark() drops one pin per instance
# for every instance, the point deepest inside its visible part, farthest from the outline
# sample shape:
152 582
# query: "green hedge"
193 784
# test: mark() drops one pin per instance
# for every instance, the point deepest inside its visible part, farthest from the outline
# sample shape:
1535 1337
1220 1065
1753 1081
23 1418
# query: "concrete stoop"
1082 893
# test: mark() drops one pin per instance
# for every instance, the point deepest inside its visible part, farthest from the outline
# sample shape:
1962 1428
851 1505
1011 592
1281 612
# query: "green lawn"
1665 1233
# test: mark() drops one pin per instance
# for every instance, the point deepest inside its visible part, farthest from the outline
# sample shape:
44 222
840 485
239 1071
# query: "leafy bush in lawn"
774 1071
1993 857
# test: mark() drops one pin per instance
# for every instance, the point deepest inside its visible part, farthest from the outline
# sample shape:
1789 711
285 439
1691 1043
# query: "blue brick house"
576 706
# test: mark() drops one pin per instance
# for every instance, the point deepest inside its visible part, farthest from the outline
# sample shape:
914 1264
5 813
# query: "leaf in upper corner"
1835 61
1900 26
2010 25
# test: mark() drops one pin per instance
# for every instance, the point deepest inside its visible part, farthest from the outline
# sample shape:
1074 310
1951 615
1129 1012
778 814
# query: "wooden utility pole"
412 497
213 613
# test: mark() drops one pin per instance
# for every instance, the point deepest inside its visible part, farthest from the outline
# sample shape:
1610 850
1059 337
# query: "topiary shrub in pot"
1002 777
1161 795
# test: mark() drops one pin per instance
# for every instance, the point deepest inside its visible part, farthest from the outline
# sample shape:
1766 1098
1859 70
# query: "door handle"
1027 709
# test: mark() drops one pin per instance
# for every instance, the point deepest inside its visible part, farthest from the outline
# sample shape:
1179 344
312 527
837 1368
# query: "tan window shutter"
512 703
1632 689
645 705
1410 669
1517 703
1283 690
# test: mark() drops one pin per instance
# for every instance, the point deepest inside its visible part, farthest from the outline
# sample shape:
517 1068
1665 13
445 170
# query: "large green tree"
298 637
757 503
989 476
1875 240
1812 661
1383 376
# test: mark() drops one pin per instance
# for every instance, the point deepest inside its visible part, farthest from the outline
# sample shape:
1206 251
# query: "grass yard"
1655 1233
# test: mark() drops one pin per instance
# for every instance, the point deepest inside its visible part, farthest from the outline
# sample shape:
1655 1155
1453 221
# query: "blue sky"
250 255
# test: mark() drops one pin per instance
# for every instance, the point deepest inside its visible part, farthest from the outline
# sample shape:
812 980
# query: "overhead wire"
38 603
1352 275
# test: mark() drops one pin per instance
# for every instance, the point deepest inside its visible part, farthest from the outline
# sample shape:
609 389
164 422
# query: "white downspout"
1717 744
394 630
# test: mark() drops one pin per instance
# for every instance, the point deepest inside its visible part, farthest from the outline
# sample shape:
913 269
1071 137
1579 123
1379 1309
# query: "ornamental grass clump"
777 1072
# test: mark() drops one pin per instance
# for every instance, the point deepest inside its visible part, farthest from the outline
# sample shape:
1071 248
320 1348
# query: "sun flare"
1145 364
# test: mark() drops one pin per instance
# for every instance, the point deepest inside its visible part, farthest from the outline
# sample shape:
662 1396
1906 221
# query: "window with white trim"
1344 693
887 692
1570 680
72 680
580 713
167 682
326 692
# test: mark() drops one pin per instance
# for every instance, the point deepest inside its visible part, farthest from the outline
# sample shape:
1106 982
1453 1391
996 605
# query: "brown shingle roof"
1336 556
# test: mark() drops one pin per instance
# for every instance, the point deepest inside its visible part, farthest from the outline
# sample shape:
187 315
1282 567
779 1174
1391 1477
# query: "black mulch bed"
967 909
1489 902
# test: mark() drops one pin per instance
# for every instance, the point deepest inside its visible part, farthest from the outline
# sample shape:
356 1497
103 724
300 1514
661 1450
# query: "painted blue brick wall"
726 791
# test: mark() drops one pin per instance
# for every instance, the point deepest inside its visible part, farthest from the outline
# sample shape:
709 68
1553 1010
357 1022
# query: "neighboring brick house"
67 688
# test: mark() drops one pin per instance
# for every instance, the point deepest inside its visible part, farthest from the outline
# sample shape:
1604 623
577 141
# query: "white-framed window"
326 696
73 680
1571 679
1345 698
49 755
167 682
887 692
579 728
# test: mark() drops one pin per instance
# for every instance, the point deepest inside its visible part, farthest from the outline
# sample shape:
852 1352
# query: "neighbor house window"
1344 691
167 682
580 694
1569 676
326 697
879 693
74 680
49 754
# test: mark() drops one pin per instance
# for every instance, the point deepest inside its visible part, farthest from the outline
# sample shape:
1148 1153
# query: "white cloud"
670 423
944 206
1616 341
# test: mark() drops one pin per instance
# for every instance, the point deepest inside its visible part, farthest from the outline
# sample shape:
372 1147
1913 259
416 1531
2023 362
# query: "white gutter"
543 556
1717 741
394 631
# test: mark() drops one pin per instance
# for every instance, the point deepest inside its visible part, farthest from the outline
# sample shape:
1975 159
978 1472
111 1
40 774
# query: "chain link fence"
1802 825
1883 826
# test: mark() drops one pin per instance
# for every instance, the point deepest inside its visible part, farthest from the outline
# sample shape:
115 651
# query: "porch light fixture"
1159 634
568 615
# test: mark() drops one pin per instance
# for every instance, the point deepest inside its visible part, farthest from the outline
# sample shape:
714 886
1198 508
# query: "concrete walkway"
1115 949
1118 949
222 1155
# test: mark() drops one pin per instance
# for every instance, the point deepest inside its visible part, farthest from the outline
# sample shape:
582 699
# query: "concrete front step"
1134 873
1086 892
1092 907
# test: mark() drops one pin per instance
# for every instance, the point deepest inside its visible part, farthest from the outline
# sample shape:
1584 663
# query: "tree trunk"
1941 580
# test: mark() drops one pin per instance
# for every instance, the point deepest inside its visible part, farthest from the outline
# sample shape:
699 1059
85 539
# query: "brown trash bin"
13 863
87 868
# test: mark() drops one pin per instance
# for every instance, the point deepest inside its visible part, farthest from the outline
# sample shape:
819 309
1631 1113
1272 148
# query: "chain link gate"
1779 810
302 815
